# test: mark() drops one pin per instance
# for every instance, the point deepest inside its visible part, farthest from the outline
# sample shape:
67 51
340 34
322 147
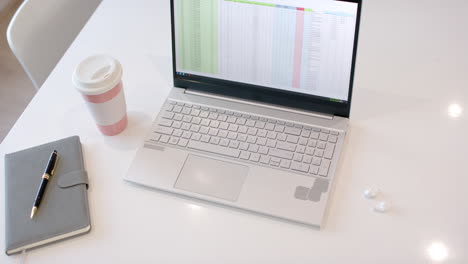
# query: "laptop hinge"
281 108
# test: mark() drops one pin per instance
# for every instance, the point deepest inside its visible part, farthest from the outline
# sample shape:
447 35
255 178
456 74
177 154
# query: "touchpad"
212 177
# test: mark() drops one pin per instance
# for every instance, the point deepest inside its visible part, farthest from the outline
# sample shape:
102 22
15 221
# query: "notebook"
64 210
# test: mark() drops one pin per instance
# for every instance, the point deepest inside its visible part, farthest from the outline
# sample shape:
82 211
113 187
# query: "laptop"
259 110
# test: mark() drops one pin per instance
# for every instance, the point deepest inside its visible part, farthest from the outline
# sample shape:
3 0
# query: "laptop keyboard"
264 141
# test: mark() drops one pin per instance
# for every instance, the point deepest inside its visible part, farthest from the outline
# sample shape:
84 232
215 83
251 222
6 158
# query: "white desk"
411 65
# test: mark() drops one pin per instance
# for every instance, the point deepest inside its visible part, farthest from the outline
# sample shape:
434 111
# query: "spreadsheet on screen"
300 46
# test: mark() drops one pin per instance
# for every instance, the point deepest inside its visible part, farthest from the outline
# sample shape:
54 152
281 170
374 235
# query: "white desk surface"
412 65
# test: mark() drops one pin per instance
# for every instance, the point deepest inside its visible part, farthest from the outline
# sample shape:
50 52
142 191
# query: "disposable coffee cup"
99 80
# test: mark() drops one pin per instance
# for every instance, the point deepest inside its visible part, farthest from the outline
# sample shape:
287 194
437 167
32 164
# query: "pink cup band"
104 97
114 129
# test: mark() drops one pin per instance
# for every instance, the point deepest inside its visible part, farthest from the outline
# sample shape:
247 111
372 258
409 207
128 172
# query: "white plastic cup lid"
97 74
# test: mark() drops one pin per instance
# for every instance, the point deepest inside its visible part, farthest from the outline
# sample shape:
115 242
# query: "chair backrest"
42 30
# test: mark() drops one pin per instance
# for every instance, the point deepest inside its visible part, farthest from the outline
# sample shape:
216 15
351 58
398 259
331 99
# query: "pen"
49 171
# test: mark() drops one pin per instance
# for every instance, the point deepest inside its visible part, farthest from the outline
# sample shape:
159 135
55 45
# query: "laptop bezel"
267 95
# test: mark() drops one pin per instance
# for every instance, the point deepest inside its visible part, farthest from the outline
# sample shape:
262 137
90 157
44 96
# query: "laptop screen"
301 46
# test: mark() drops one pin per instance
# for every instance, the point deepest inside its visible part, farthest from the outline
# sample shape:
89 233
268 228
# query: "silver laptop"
259 110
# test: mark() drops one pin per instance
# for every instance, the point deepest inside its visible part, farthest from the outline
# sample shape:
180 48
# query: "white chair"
42 30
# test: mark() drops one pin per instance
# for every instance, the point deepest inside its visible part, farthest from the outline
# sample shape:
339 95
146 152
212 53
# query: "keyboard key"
187 118
185 126
323 137
261 141
253 148
195 136
233 144
300 166
168 115
316 161
244 146
279 128
300 149
262 133
173 140
233 127
240 121
205 138
186 111
245 155
204 114
178 117
269 126
310 151
334 133
312 143
318 153
155 136
314 169
196 120
232 119
252 131
285 164
292 131
307 159
214 148
303 141
214 123
263 150
254 157
224 142
242 129
183 142
177 109
325 131
281 153
194 128
172 102
281 137
177 133
242 137
222 118
164 138
195 112
260 124
250 123
213 116
213 131
165 122
214 140
321 145
332 139
298 157
222 133
264 159
251 139
323 170
271 143
203 130
164 130
232 135
305 133
186 134
176 124
271 134
314 135
328 154
292 139
286 146
223 125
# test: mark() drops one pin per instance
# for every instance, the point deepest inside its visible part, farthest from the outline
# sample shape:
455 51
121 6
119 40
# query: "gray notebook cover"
64 208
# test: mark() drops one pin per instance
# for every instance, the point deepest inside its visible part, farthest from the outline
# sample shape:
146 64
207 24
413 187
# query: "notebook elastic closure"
73 178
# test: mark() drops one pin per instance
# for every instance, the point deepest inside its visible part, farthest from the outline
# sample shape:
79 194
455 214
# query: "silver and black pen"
49 172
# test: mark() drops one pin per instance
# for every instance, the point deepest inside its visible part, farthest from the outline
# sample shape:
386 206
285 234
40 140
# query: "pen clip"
55 165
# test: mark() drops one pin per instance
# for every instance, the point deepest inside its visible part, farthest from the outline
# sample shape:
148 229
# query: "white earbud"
371 193
382 207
